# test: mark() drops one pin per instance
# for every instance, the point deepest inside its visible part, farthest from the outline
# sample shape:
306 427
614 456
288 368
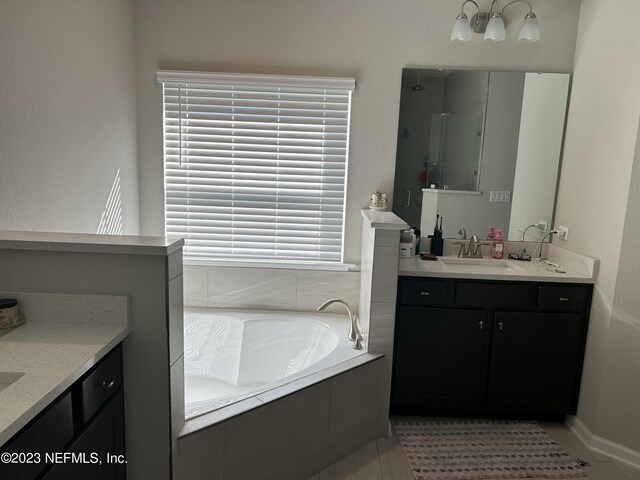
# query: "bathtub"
230 355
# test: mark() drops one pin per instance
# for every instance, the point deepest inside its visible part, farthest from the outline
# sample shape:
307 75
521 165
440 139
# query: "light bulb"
530 30
461 29
495 31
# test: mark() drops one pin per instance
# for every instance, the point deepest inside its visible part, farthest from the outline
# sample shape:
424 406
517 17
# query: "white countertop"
63 337
89 243
383 219
534 271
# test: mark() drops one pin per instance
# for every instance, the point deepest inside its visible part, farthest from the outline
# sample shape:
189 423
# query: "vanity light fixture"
493 23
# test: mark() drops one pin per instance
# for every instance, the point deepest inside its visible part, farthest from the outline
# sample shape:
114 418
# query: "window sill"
293 265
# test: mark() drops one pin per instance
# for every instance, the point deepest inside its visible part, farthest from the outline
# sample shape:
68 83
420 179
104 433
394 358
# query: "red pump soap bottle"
497 247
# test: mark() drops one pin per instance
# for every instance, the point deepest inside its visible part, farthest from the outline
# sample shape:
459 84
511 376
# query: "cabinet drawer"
101 384
423 292
50 432
495 295
103 436
562 298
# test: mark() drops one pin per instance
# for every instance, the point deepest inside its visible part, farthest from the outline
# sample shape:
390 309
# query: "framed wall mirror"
480 148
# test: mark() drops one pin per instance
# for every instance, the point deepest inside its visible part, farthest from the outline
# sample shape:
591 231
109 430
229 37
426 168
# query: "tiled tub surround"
63 337
234 354
289 432
379 278
268 288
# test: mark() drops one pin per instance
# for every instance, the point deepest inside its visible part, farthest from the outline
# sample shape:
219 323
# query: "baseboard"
603 446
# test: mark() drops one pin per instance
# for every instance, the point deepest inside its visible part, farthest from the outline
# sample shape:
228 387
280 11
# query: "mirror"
480 148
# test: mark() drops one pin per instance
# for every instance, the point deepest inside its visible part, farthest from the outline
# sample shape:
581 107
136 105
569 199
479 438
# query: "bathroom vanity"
493 338
78 435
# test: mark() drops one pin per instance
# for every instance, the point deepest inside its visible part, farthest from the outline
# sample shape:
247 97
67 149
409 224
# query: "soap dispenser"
497 247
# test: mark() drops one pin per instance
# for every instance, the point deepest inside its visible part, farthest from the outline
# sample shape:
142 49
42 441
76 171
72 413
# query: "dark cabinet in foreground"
80 435
495 347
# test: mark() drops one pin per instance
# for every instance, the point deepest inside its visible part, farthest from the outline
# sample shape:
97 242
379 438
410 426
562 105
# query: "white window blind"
256 165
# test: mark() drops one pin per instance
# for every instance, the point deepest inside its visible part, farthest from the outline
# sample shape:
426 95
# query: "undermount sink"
7 378
478 265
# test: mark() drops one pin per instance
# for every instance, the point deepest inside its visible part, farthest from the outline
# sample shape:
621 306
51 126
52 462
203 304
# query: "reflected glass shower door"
455 148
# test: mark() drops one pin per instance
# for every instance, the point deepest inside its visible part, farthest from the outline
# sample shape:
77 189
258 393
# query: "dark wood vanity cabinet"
495 347
441 356
85 423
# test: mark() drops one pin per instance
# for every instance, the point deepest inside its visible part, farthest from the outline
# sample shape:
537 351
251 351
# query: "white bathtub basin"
230 355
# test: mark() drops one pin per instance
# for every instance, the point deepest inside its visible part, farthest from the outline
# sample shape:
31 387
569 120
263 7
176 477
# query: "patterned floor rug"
483 450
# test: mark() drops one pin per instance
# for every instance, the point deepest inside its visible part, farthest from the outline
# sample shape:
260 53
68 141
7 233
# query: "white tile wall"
264 443
201 456
293 436
381 328
176 319
195 286
270 289
316 287
385 274
177 398
255 288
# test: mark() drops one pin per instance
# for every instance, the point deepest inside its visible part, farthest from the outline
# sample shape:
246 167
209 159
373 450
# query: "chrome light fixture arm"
493 23
516 1
464 15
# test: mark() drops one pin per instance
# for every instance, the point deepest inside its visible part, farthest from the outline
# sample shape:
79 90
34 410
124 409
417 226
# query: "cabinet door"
536 362
103 436
440 359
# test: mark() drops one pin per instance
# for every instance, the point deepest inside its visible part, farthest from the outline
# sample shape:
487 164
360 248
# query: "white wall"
369 39
594 196
67 113
544 108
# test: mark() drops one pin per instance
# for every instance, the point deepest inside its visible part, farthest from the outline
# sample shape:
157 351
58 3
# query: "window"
256 165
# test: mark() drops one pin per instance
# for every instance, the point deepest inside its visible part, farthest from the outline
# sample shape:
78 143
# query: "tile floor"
383 459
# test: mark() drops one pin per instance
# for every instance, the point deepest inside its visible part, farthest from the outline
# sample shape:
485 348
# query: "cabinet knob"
481 325
109 384
500 325
564 299
425 294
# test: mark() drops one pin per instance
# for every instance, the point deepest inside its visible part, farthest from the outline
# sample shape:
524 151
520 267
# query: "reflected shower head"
418 87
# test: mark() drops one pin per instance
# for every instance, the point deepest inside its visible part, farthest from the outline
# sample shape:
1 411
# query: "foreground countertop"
89 243
533 271
52 356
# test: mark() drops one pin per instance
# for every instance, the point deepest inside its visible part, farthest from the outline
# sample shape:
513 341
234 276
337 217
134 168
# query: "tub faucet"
354 333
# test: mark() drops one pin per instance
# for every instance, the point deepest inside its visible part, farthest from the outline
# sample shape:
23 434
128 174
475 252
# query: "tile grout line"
615 465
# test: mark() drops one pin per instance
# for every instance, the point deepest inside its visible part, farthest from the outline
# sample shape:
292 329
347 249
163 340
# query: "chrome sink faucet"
354 333
473 250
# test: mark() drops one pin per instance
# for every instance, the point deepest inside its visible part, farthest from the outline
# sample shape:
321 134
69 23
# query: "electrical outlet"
563 232
542 225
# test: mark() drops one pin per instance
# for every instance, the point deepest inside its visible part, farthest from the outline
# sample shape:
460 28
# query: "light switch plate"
500 196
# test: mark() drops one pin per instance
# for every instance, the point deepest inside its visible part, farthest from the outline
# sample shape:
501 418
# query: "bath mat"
483 450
